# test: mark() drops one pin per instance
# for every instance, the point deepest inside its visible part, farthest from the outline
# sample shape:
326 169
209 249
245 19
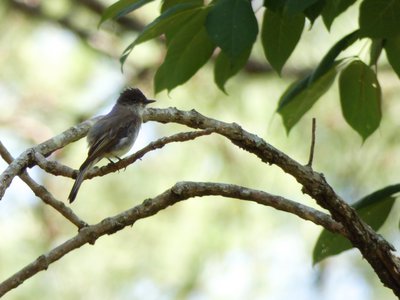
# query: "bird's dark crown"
131 95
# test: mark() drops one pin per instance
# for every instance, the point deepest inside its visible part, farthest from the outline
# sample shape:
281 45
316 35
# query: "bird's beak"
148 101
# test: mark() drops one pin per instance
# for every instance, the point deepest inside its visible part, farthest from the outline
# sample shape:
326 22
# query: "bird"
114 134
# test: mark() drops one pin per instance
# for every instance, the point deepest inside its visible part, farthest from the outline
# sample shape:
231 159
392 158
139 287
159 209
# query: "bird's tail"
79 179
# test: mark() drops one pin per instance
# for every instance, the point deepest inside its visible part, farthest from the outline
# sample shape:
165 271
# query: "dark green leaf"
376 213
329 244
296 101
275 5
314 11
226 67
296 6
293 91
375 51
334 8
169 21
167 4
301 96
232 25
373 209
330 58
121 8
280 34
392 48
360 97
380 18
188 51
377 196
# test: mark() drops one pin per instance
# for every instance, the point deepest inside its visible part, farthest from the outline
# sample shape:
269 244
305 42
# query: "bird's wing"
105 141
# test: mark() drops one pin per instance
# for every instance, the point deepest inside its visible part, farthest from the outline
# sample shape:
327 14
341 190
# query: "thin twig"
180 191
311 158
52 166
57 169
41 192
158 144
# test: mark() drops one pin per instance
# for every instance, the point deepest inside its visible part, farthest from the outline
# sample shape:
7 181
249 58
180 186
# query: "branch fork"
342 219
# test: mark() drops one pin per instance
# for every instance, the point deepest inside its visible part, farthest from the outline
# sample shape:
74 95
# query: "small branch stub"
313 129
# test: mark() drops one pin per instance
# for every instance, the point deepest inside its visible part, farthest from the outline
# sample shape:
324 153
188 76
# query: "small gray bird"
114 134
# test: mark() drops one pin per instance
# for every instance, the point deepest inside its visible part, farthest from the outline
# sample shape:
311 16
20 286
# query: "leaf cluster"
195 31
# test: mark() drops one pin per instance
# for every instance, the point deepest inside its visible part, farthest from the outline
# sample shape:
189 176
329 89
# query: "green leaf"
232 25
360 97
379 18
330 58
314 11
293 91
392 48
121 8
301 96
296 6
280 35
275 5
372 209
375 51
334 8
170 21
377 196
226 67
187 52
167 4
329 244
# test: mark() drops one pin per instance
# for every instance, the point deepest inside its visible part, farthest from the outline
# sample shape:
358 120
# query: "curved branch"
27 158
58 169
180 191
158 144
374 248
379 256
41 192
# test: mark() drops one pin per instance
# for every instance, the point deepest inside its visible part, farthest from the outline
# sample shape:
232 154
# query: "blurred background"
58 68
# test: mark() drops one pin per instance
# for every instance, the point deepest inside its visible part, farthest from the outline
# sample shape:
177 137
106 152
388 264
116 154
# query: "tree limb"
41 192
374 248
180 191
57 169
158 144
27 158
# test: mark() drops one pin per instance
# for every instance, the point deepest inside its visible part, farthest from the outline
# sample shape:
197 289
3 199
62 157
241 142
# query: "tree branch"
180 191
158 144
57 169
374 248
312 147
27 158
41 192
